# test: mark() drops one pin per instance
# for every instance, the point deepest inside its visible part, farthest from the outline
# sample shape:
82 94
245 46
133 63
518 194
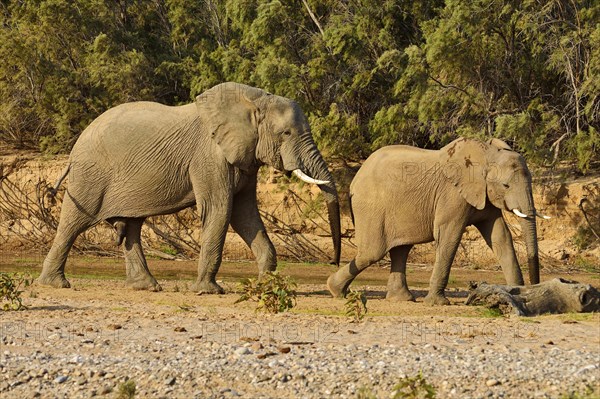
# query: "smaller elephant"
405 195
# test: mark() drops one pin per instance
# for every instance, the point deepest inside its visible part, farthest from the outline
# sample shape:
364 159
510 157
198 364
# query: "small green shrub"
583 238
365 393
11 288
273 292
169 250
587 265
589 392
127 390
407 388
415 387
356 305
492 312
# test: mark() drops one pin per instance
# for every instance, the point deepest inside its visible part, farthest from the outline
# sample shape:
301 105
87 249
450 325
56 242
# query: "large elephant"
404 195
143 159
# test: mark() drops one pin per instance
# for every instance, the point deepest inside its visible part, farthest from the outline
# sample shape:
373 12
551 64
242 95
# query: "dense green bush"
368 73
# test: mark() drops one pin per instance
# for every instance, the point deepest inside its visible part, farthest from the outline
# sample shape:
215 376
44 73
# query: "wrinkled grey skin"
143 159
404 195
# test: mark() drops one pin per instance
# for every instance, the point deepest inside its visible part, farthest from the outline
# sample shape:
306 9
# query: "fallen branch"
554 296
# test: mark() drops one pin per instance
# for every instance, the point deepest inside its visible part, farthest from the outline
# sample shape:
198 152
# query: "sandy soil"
99 317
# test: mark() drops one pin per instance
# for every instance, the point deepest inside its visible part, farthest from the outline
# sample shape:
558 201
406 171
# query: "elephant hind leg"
138 274
72 223
397 288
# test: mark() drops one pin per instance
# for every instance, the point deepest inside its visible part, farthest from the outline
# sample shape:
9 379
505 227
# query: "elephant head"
493 172
252 128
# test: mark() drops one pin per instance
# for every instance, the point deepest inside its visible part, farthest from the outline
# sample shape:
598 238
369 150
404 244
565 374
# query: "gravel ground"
87 344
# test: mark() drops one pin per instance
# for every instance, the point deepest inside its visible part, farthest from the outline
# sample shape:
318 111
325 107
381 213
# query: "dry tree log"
554 296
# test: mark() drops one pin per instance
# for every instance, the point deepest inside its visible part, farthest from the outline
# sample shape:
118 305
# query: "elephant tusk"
542 216
519 214
305 178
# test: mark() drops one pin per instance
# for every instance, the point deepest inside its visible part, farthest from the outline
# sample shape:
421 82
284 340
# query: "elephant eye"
286 133
505 185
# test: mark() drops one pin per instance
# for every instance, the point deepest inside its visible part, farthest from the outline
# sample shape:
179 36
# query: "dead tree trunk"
553 296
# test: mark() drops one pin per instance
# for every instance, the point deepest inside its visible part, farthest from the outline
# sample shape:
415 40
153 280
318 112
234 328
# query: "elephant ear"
463 162
232 120
494 142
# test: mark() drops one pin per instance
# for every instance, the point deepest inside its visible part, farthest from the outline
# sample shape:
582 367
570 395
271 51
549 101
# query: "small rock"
180 329
106 389
242 351
492 382
76 359
256 346
284 349
265 355
115 326
60 379
170 381
549 342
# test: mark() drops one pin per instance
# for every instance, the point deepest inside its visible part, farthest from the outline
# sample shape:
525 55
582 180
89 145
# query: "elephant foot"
53 280
337 290
146 283
207 287
400 295
436 300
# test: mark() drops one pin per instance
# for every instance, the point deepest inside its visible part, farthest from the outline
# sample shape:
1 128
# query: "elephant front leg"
339 282
246 221
138 274
498 238
447 241
397 288
214 229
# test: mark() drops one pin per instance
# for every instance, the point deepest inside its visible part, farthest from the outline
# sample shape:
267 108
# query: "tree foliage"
368 73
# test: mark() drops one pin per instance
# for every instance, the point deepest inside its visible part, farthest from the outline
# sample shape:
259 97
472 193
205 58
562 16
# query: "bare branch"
445 86
313 17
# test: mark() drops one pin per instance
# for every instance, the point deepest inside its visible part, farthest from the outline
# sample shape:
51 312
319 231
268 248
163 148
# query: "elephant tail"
351 211
52 192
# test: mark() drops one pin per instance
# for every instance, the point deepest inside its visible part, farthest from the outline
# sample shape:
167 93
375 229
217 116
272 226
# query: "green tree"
368 73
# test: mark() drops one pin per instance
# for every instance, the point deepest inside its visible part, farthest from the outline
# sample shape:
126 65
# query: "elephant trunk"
529 232
317 168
